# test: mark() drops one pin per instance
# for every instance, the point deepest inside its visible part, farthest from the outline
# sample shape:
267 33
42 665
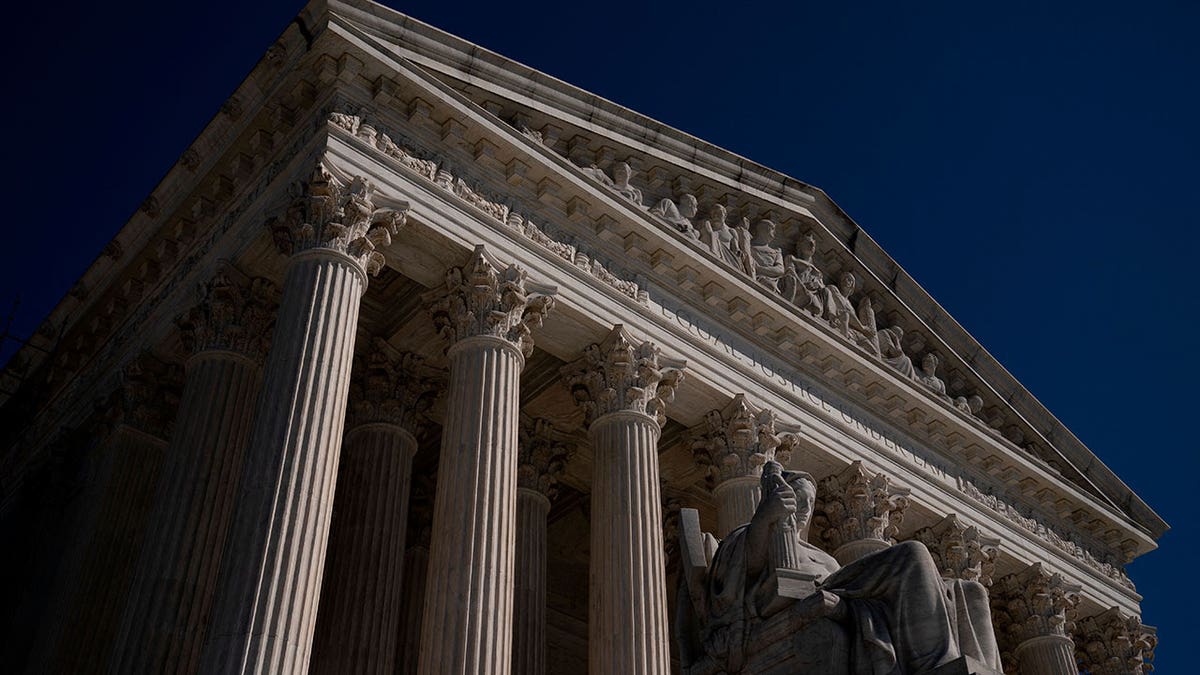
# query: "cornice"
467 63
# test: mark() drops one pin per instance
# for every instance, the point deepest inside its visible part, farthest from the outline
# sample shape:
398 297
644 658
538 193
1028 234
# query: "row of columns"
236 554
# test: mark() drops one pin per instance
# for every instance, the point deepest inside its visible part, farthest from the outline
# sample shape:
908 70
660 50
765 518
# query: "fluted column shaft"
529 601
737 500
416 571
1047 655
163 625
358 623
102 570
468 605
266 602
627 627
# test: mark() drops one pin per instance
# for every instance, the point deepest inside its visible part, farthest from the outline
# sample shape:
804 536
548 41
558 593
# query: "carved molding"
391 386
960 551
857 505
234 313
736 441
542 454
1109 569
437 171
343 218
621 374
1114 643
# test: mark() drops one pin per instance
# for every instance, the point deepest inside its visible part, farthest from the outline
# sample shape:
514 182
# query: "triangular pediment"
576 149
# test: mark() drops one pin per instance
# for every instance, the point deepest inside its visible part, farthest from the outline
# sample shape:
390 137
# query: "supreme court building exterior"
422 361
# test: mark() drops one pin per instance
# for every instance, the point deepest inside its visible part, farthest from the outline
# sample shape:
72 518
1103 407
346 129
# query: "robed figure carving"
739 611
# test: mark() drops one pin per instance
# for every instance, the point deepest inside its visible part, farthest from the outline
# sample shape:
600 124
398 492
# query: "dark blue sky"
1032 165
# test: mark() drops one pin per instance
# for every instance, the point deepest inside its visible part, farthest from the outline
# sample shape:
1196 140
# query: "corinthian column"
416 570
858 512
966 558
163 626
540 461
266 600
623 387
484 312
358 623
734 443
98 569
1115 643
1033 610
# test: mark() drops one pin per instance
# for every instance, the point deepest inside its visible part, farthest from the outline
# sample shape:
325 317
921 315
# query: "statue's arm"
776 506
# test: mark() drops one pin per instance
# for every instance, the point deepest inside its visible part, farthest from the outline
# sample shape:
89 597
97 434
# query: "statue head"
764 231
718 215
805 487
846 283
929 364
622 173
806 246
688 206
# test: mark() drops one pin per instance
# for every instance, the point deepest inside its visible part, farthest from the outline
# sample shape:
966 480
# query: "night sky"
1032 165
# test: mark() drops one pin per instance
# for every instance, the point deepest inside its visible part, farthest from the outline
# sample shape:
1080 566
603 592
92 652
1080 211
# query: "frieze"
437 171
846 418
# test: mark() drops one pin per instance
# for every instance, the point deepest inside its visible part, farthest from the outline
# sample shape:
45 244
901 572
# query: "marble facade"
421 361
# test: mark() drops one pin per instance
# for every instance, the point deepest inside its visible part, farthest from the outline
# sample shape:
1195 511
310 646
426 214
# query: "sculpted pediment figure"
767 601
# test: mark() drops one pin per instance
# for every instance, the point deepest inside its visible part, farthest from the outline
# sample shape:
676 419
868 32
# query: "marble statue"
891 350
764 261
802 282
723 240
679 215
597 174
970 405
893 608
620 183
856 325
928 375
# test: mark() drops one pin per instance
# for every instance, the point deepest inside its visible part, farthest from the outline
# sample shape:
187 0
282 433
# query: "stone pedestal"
165 621
359 618
623 386
484 313
265 608
734 443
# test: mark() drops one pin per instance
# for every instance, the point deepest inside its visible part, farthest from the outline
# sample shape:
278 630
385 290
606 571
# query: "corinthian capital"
234 313
1114 643
737 440
1033 603
484 298
392 387
542 454
960 550
620 374
146 399
340 217
857 505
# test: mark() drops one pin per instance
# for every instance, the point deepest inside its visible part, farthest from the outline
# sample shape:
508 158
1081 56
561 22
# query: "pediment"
634 232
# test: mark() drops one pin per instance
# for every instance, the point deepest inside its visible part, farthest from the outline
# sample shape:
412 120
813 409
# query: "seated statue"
621 175
856 325
891 350
680 216
928 375
765 262
803 283
722 240
895 613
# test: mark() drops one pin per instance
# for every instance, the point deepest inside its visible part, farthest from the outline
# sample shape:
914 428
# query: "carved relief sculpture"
928 375
679 216
803 283
765 261
722 240
845 319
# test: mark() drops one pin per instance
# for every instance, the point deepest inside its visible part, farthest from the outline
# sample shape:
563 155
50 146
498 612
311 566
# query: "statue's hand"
780 504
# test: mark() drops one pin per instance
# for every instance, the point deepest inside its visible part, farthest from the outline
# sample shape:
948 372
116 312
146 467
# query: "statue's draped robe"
899 616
